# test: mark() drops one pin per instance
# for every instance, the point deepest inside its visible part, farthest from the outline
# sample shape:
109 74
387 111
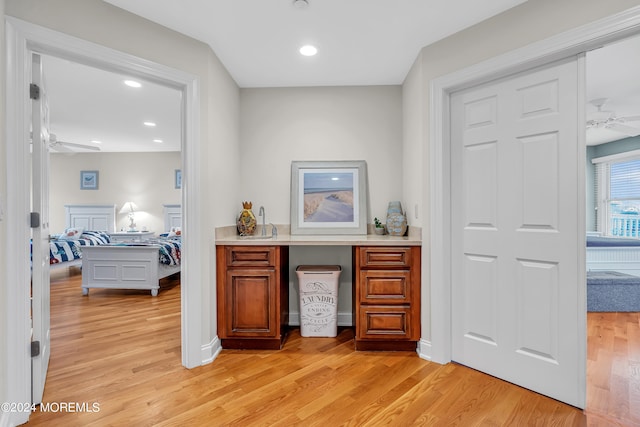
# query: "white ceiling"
360 42
613 72
89 104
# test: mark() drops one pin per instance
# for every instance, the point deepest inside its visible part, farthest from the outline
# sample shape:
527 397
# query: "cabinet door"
251 303
391 322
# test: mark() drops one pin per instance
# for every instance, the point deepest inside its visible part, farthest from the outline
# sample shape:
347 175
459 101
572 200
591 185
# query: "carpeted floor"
612 291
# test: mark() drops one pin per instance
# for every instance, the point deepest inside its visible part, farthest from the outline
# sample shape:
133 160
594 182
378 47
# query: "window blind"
625 180
601 195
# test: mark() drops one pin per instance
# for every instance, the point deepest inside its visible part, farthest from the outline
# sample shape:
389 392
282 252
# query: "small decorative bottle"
246 220
396 220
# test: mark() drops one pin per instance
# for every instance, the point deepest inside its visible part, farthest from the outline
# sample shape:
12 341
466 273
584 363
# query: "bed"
68 253
133 265
95 221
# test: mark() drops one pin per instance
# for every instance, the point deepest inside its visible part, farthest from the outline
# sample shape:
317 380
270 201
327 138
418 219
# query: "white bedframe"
87 217
134 266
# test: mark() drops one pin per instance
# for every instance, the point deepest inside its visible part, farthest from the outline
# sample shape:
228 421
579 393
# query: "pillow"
71 234
175 232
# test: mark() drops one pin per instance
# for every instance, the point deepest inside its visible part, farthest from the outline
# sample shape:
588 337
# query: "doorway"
538 54
22 39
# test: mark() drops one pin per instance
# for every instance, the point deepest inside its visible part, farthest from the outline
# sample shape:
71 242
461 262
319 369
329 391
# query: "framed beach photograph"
88 180
329 197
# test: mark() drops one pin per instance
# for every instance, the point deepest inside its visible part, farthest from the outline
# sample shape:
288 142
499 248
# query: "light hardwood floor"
121 350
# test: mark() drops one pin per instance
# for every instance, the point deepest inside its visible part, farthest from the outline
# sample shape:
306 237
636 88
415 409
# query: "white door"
40 280
517 308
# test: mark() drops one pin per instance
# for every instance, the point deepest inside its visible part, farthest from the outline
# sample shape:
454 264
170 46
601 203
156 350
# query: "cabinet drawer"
385 322
250 256
385 287
385 257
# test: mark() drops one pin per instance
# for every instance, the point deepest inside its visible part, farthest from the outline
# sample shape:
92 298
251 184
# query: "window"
618 195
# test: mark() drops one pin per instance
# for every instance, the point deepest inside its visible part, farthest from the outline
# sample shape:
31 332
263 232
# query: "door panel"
514 180
40 279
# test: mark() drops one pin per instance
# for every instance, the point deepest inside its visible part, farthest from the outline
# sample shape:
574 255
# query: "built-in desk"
253 288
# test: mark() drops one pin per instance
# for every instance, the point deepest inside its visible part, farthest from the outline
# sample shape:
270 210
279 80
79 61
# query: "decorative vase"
246 220
396 220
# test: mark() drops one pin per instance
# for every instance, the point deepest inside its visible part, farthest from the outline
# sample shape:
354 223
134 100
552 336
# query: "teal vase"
396 220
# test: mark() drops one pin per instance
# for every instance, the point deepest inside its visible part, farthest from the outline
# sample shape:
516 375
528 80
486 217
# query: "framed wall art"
88 180
329 197
178 178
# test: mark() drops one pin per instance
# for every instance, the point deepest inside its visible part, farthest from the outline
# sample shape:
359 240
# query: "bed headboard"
91 217
172 216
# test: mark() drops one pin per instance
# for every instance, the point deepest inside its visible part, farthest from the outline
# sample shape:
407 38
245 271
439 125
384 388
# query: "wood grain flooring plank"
122 349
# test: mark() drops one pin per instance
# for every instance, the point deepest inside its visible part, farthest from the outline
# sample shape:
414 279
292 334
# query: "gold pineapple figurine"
246 220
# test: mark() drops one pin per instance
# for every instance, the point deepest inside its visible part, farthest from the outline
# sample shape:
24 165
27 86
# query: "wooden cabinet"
253 296
386 297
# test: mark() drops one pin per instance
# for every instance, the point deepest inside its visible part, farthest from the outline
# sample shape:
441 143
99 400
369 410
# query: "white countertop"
229 236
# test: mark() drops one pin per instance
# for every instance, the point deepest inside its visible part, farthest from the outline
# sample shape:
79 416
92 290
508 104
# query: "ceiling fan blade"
630 118
627 130
82 146
59 148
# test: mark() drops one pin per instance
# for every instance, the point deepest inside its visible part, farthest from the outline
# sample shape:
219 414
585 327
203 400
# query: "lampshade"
129 207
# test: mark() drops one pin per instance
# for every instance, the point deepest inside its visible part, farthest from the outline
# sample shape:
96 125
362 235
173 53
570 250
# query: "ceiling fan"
67 147
603 119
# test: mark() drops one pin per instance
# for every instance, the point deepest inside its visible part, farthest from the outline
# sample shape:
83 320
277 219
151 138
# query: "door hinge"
35 348
34 91
34 219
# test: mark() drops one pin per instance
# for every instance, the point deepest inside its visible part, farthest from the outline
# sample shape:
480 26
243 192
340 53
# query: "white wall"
527 23
147 179
279 125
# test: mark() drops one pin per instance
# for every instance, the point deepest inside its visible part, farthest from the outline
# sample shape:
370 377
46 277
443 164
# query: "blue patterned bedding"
69 250
170 253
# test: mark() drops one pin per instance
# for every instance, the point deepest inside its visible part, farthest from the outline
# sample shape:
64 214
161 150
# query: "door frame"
570 43
23 38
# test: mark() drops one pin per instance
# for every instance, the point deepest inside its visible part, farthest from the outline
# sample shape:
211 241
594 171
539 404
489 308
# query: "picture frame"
178 179
89 180
329 197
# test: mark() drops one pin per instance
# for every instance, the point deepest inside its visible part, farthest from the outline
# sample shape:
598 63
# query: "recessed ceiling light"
308 50
95 141
301 4
132 83
157 140
150 124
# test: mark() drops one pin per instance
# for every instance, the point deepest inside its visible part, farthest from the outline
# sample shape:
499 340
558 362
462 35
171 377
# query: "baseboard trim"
424 349
211 350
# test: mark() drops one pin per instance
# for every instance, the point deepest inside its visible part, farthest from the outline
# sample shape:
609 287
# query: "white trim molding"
627 155
211 350
424 349
570 43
